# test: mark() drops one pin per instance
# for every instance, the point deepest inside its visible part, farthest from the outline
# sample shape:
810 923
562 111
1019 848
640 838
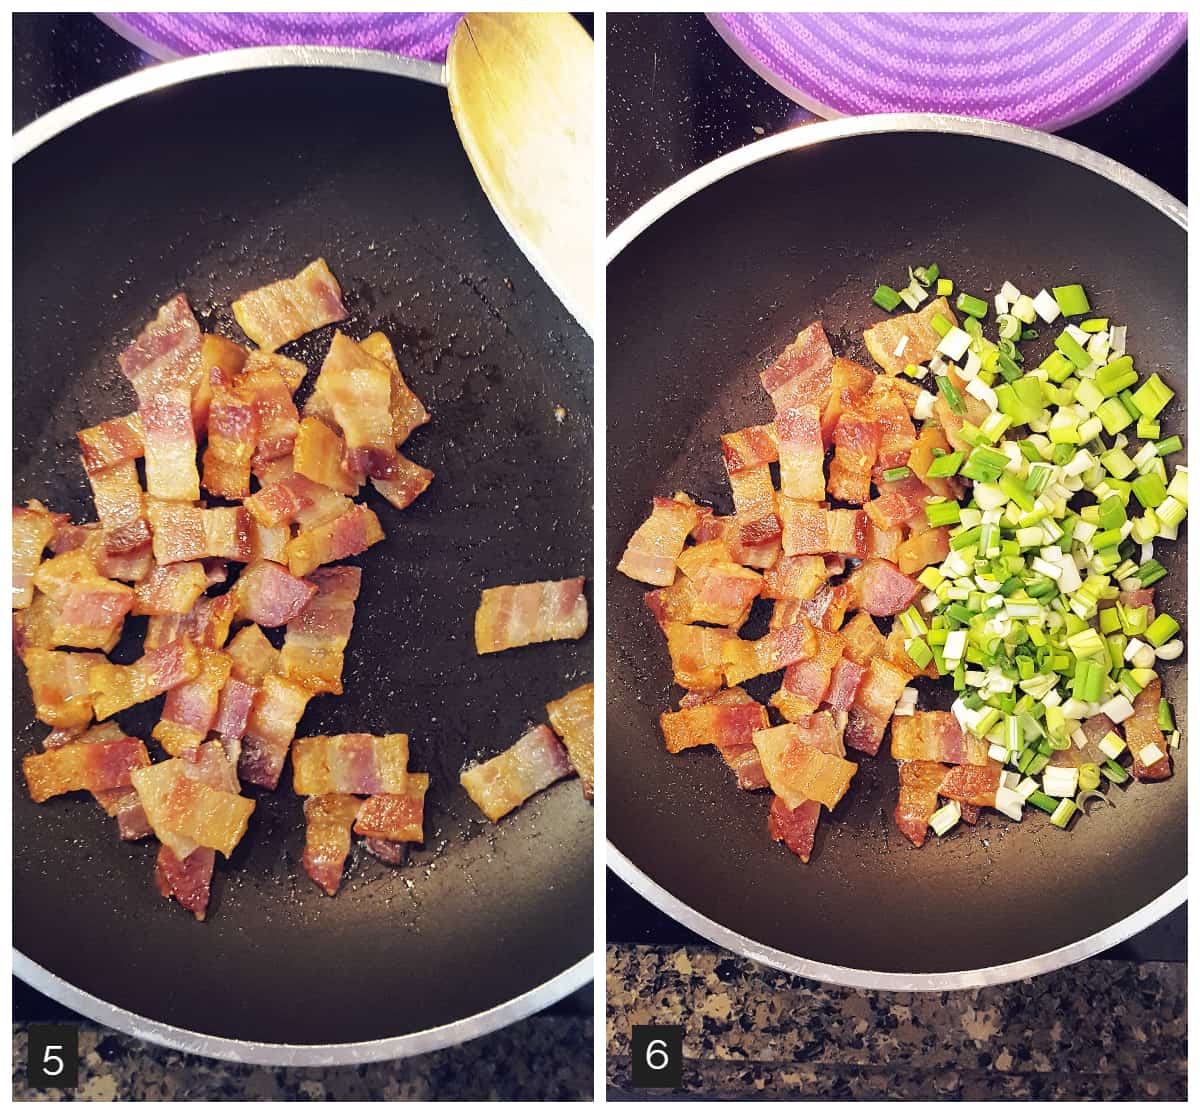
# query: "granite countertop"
1106 1030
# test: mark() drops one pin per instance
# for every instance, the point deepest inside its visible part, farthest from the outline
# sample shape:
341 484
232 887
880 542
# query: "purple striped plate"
174 35
1041 70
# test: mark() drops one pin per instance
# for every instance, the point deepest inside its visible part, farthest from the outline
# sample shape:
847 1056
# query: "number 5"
48 1059
656 1055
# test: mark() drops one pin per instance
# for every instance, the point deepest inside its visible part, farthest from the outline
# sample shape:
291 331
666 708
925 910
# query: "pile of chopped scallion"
1071 489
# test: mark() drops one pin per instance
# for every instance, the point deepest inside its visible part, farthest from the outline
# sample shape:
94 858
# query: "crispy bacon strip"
724 593
183 533
799 771
573 719
936 737
117 687
190 710
732 724
796 828
801 372
396 817
973 785
878 692
652 551
754 500
1142 730
521 614
732 530
794 578
879 588
825 610
111 442
320 455
750 448
270 596
328 821
928 548
270 730
883 339
345 536
186 813
120 506
407 411
295 498
409 481
285 310
90 608
251 658
221 361
61 686
743 659
171 589
292 372
863 640
265 388
170 446
133 566
889 407
206 625
269 543
675 604
187 880
844 683
856 442
233 428
316 639
93 765
534 762
849 384
919 784
33 528
165 356
801 452
739 753
696 655
364 764
809 528
806 683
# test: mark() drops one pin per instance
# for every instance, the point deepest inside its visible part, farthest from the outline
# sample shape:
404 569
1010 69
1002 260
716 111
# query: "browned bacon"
794 578
534 762
1142 731
233 428
801 452
810 528
801 372
117 687
206 625
849 383
33 528
825 610
295 498
251 658
878 692
930 547
111 442
794 827
165 356
328 820
651 553
573 719
187 880
888 407
170 589
285 310
61 686
170 439
396 817
316 639
705 724
806 683
356 763
183 533
120 506
90 608
270 596
408 482
754 500
856 442
265 388
879 588
320 455
797 767
270 730
917 802
843 685
973 785
186 811
743 659
936 737
345 536
863 640
696 655
190 710
521 614
750 447
94 766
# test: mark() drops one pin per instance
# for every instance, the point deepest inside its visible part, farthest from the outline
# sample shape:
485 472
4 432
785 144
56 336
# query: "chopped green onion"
1061 816
943 513
1071 348
1170 445
1071 300
886 298
1039 800
901 473
945 287
976 307
945 465
1152 396
950 393
1115 772
1163 629
940 325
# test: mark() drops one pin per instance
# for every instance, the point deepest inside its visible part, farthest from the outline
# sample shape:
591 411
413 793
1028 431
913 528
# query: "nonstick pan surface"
213 183
705 285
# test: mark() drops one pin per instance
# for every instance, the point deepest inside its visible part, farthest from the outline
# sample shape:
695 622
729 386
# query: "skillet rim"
794 139
166 75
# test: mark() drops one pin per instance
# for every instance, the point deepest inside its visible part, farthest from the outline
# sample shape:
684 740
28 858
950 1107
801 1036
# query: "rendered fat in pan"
220 174
705 284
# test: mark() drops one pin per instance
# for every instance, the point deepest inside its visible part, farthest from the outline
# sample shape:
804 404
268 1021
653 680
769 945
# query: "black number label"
53 1056
658 1055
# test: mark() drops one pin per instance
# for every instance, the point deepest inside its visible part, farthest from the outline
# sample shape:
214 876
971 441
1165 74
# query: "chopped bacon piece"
740 755
843 685
328 821
724 593
674 604
936 737
92 765
880 589
190 710
61 686
742 659
922 457
929 548
534 762
320 455
268 543
407 411
251 658
207 624
117 687
265 388
1140 597
1142 730
797 770
292 372
919 784
521 614
703 725
897 436
133 565
806 683
187 880
171 589
233 428
573 719
801 372
111 442
221 361
270 596
801 452
796 828
316 639
295 499
90 608
165 356
970 814
385 851
696 655
878 693
754 500
883 339
170 446
885 543
285 310
270 730
183 533
186 813
973 785
893 509
33 528
794 578
863 640
345 536
856 442
364 764
825 610
730 530
811 528
849 383
396 817
751 447
409 481
120 506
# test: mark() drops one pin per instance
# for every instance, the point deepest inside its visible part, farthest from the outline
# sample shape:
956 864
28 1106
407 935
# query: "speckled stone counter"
543 1058
1100 1030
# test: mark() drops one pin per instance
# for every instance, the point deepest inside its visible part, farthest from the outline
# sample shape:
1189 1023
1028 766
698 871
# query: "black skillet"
213 176
705 284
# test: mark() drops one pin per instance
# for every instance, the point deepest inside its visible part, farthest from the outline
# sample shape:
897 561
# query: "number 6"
656 1055
47 1059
